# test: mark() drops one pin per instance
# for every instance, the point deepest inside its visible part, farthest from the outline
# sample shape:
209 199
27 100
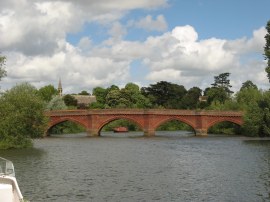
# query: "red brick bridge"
147 119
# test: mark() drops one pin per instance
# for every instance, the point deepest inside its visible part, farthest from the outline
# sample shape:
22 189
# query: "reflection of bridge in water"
147 119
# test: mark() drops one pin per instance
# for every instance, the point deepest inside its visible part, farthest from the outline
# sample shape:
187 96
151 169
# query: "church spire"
60 90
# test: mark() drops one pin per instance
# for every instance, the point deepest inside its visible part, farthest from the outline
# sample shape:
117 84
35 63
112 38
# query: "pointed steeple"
60 90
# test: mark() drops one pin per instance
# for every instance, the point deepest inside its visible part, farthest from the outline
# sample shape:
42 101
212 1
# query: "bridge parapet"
66 112
144 111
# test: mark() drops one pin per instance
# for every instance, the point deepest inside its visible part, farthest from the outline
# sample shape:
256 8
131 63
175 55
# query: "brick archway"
231 120
110 119
180 119
148 120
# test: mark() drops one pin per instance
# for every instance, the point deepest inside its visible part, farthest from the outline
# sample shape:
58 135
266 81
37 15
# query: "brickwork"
148 120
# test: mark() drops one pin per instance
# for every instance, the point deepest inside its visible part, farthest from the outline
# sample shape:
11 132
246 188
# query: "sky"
99 43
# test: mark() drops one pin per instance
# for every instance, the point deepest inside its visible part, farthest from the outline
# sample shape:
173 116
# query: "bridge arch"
62 120
109 120
180 119
225 119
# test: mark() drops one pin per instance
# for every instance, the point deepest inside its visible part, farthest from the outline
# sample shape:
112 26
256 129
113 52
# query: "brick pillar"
93 133
201 132
149 133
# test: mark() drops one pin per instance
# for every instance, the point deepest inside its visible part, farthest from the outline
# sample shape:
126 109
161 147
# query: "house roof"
85 99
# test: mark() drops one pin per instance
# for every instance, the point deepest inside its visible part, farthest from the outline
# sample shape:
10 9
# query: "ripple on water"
164 168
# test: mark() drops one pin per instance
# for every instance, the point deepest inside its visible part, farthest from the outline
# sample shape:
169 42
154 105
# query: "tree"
267 49
264 130
100 94
248 97
165 94
57 103
3 72
216 94
21 116
47 92
84 92
70 100
136 98
222 81
113 98
191 98
248 84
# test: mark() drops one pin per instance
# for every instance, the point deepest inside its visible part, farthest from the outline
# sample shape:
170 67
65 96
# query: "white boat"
9 189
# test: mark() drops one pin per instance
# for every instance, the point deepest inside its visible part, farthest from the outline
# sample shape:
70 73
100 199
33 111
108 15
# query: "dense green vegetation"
21 117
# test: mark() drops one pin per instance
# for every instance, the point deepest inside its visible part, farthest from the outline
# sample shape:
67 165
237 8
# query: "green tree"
165 94
3 72
267 49
84 92
216 94
70 100
264 129
47 92
248 84
136 98
113 98
220 90
100 94
57 103
223 81
21 116
191 98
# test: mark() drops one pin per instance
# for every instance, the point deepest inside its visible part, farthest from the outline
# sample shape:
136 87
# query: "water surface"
170 167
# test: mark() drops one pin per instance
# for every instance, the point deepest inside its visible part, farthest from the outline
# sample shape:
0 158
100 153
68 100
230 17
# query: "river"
169 167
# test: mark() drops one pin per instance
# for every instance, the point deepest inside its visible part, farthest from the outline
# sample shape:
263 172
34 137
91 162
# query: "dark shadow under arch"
134 128
225 127
174 127
66 126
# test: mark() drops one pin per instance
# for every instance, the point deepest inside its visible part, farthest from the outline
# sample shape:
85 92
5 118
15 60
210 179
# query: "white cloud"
33 37
164 74
85 44
150 24
245 45
117 31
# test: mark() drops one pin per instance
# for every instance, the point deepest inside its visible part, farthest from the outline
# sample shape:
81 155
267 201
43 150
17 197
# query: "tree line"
22 107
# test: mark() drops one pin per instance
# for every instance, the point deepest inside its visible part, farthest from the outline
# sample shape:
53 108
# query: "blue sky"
100 43
228 19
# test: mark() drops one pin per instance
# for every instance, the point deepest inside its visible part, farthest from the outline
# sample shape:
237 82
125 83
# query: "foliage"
248 84
3 72
267 49
216 94
174 125
128 97
165 94
84 92
220 90
191 98
67 127
227 128
100 94
47 92
57 103
222 82
70 100
121 122
256 119
21 116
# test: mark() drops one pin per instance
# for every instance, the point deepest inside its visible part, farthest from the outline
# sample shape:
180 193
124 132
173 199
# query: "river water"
170 167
